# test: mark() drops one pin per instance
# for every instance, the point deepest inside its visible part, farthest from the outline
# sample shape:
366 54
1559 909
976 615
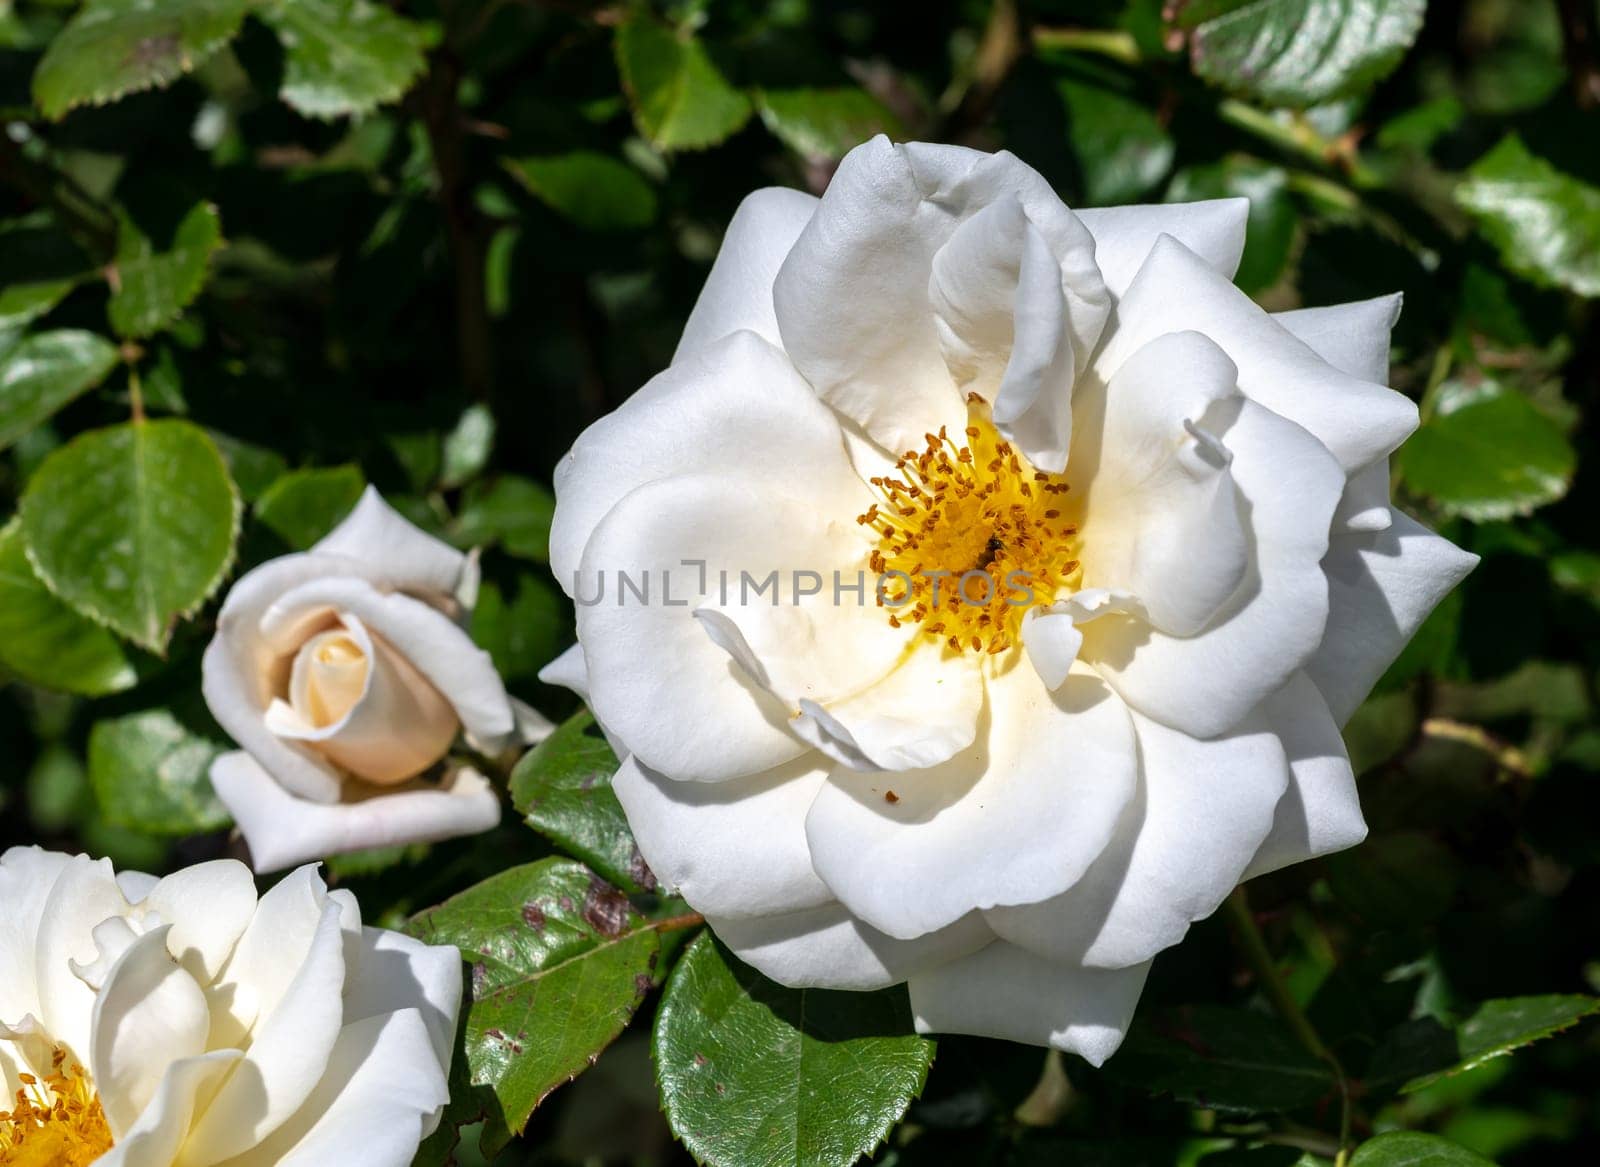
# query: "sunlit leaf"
133 526
752 1072
680 100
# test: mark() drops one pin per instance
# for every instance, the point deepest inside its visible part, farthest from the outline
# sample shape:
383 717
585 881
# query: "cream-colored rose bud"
352 697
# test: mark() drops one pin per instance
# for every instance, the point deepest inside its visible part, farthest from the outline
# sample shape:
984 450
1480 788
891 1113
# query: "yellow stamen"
56 1121
979 507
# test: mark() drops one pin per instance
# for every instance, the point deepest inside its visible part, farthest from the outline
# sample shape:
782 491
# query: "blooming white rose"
1167 512
346 674
182 1021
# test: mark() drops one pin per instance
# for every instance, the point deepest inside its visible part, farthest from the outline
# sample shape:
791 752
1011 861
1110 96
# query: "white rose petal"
1173 505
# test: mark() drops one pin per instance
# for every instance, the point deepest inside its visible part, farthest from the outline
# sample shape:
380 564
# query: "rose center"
55 1121
970 537
335 676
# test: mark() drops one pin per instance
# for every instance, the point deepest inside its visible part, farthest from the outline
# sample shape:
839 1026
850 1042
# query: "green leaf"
1301 52
1122 147
39 265
563 786
1546 224
752 1072
345 56
115 47
514 512
133 525
1414 1149
524 632
825 123
595 191
1270 226
41 373
150 772
1420 1053
1486 452
1221 1058
680 101
560 961
150 287
304 505
46 643
466 448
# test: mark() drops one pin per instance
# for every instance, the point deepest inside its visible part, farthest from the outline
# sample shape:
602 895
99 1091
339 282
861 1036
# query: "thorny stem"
1242 924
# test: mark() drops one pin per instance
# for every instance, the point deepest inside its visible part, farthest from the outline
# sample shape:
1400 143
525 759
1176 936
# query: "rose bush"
346 674
148 1022
1172 572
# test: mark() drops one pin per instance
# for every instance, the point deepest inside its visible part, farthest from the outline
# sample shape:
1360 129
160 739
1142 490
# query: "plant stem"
1242 924
442 115
1105 42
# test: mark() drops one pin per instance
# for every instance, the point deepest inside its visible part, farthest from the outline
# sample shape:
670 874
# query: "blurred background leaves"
281 249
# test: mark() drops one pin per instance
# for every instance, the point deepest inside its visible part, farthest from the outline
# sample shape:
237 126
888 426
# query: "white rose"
182 1021
1013 807
346 674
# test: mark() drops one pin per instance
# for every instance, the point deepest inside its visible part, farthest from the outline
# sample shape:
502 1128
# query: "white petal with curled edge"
393 971
283 830
435 645
27 875
381 1095
148 1014
1014 819
736 408
738 293
1052 639
1161 513
852 297
270 953
1354 338
1358 421
393 550
852 301
1382 586
658 682
899 704
154 1140
1213 229
1152 882
732 849
287 1057
962 181
240 674
826 947
208 907
1206 684
1321 811
1004 991
84 895
1002 323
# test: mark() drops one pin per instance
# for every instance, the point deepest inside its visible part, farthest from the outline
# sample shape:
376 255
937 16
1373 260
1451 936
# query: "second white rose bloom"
183 1021
346 673
1137 560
